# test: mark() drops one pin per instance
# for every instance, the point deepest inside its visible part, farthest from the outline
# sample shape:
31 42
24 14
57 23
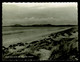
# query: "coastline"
51 47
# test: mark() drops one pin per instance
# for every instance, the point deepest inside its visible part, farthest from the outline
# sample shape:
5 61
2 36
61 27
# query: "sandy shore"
61 45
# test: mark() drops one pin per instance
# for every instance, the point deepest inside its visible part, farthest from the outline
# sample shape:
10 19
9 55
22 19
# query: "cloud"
33 20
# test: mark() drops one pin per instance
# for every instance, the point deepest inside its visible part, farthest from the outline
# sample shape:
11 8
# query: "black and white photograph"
40 31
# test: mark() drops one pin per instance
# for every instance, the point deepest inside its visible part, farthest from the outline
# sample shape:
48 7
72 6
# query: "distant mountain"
39 25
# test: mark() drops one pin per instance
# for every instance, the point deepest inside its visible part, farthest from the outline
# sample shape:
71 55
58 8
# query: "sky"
57 13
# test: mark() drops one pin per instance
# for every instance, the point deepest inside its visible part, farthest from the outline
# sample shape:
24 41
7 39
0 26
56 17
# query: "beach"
58 45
